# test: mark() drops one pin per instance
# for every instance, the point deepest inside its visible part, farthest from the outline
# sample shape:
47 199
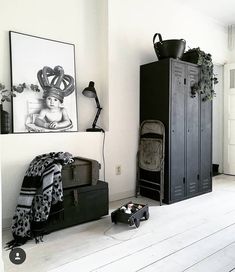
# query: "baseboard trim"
121 195
6 223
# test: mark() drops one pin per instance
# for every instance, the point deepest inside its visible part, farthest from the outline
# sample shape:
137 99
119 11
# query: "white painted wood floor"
195 235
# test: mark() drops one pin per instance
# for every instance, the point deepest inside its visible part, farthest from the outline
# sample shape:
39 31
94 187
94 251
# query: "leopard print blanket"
40 192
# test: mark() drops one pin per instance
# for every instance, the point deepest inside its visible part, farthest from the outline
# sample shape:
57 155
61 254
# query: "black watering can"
168 48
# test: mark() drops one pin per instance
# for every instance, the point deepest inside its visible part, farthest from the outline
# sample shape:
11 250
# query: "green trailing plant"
7 94
207 77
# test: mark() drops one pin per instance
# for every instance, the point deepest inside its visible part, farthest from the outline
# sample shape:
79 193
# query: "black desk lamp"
91 93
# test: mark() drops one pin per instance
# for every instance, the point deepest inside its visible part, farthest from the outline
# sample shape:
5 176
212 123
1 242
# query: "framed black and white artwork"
43 77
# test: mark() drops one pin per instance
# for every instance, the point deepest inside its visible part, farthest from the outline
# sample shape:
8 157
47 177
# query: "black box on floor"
81 204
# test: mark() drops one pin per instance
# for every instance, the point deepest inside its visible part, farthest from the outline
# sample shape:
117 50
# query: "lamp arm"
96 117
98 111
97 102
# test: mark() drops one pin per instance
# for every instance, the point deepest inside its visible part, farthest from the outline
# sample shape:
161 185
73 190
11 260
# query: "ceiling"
222 10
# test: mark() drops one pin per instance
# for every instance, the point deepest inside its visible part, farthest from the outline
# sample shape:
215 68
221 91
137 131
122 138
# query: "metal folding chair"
150 156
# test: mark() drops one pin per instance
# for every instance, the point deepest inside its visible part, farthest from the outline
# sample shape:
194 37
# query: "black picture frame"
29 55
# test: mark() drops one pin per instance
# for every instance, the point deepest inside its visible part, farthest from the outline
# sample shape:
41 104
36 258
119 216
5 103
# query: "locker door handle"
183 180
198 177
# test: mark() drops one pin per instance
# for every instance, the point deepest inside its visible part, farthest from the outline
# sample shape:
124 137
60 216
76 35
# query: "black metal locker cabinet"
206 146
165 95
177 131
192 133
154 104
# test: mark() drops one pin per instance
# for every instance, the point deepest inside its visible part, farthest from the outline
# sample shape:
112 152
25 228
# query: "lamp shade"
90 90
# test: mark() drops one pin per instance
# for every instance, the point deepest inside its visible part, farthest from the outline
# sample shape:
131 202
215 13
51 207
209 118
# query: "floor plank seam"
118 239
161 241
230 211
139 250
185 247
192 235
209 256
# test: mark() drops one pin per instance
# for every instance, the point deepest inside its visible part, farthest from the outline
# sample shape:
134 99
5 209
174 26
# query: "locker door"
192 132
206 146
177 132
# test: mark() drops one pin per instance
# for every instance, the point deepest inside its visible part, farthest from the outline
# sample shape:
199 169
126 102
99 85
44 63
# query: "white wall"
129 30
83 23
132 24
231 43
80 22
1 260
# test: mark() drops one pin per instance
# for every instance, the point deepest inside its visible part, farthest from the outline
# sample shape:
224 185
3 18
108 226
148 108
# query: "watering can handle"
159 36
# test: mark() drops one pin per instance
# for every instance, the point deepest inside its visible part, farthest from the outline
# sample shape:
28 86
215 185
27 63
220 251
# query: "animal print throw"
41 193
